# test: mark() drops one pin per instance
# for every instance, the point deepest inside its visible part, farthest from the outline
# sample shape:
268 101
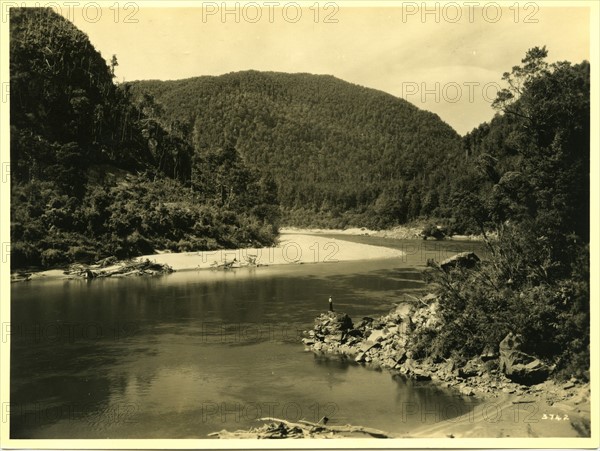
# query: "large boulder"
463 260
519 366
433 231
471 369
334 322
330 327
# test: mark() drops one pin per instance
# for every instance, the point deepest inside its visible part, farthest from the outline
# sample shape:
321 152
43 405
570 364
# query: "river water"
183 355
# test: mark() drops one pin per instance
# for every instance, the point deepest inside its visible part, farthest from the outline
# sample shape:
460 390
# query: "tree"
113 64
535 157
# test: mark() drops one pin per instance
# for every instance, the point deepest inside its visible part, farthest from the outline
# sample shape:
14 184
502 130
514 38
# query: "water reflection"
195 352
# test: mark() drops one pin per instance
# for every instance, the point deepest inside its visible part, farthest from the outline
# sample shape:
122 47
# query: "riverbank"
549 409
292 248
504 406
295 246
399 233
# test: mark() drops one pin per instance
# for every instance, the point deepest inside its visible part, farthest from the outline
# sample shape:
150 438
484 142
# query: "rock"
488 354
448 369
352 341
462 260
337 320
400 356
389 363
530 373
471 369
519 366
367 345
466 391
420 375
360 357
393 330
333 338
354 333
377 336
433 231
365 322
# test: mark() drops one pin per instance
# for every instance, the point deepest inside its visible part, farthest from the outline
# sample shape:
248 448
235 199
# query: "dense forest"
100 168
104 169
339 154
94 175
530 183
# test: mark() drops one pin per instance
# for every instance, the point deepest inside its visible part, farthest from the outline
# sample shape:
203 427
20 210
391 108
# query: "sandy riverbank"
292 248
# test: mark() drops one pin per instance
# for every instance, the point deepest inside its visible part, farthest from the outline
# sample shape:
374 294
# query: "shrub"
83 254
52 258
516 290
23 253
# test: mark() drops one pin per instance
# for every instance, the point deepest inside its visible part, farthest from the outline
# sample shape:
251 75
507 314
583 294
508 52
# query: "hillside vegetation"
93 175
529 182
339 154
100 169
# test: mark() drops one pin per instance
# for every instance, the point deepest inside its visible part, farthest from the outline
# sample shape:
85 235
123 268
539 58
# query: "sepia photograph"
343 224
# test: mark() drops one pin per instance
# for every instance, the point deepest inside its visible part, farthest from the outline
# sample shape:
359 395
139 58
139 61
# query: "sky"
447 58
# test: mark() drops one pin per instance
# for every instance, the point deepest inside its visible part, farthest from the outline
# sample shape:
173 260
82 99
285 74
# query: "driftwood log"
119 269
277 428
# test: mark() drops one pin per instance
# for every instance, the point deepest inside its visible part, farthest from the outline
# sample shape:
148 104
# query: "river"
193 352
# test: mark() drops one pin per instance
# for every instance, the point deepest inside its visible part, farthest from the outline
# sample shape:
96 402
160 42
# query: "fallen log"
122 269
277 428
336 429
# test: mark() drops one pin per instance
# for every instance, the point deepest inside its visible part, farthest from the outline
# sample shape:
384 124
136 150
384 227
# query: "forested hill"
93 175
339 153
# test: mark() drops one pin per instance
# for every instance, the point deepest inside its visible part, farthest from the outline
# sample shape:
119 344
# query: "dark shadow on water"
154 357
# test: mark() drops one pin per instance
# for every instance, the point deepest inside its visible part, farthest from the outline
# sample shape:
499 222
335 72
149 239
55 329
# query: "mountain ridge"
342 131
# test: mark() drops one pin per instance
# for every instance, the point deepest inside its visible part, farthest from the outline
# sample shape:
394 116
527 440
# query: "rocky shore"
384 342
507 373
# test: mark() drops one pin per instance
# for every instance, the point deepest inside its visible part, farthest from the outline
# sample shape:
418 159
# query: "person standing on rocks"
330 304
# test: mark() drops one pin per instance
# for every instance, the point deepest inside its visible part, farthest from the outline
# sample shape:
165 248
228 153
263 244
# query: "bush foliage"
536 280
95 173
